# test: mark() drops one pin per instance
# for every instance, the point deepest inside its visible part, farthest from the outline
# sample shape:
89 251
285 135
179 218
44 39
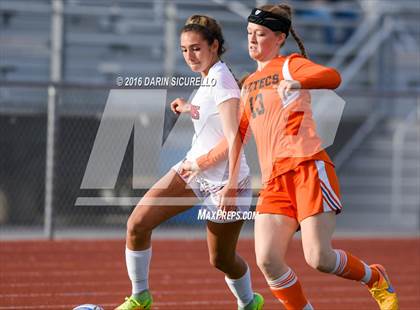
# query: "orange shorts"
311 188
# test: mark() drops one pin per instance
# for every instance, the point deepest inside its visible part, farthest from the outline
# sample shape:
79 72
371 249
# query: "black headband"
272 21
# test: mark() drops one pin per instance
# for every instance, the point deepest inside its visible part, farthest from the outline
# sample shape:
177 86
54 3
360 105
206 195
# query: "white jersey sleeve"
208 124
225 87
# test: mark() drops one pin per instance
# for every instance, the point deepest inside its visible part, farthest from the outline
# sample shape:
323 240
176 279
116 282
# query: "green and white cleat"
142 301
257 303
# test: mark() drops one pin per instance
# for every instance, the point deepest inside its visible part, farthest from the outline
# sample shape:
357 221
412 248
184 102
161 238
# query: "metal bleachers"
380 182
108 38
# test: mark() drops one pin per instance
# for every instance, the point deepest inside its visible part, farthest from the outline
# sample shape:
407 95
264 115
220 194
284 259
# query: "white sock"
241 288
308 307
138 263
368 274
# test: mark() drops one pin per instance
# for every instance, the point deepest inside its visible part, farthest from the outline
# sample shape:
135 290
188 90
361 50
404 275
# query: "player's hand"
286 88
180 105
227 197
189 170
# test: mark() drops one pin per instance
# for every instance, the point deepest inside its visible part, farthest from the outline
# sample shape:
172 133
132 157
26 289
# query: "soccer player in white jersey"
214 112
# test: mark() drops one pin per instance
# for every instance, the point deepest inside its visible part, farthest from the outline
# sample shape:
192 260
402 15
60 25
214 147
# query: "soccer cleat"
382 290
257 303
141 302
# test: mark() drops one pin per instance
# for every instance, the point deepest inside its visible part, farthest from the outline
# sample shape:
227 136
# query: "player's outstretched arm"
312 75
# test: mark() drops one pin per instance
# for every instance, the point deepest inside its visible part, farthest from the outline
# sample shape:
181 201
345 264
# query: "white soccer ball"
88 307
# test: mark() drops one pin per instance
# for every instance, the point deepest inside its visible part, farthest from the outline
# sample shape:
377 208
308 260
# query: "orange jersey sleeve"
312 75
221 150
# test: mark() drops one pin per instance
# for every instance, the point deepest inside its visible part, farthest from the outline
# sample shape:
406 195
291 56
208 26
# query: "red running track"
63 274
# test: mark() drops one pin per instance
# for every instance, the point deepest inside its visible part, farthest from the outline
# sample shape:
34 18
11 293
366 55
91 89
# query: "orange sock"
374 278
288 291
350 267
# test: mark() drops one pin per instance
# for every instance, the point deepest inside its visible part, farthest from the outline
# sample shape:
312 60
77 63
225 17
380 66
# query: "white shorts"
207 193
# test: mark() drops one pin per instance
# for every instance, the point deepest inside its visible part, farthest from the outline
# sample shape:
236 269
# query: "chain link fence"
104 40
79 114
22 167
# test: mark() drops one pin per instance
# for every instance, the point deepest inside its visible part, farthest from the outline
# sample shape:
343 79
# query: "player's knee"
137 227
222 261
317 258
269 267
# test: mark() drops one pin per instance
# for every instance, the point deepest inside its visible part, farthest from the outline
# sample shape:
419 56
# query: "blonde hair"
208 28
285 11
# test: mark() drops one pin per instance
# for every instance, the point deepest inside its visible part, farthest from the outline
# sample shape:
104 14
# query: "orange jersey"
284 132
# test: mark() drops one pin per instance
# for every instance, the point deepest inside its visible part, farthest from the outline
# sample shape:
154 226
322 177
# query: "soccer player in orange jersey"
301 188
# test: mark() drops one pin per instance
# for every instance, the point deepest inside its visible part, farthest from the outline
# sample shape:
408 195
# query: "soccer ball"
88 307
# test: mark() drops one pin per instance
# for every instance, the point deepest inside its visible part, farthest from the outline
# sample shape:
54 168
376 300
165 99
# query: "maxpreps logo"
140 115
220 215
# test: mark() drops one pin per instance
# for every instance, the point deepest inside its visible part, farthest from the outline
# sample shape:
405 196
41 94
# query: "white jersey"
220 86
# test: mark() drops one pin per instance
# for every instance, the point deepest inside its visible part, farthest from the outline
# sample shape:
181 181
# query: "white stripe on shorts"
322 173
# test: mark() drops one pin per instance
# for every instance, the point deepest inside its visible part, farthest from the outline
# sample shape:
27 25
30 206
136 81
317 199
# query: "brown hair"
241 82
208 28
285 11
